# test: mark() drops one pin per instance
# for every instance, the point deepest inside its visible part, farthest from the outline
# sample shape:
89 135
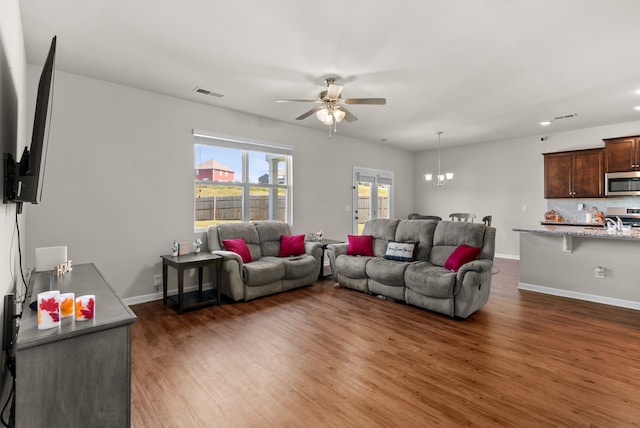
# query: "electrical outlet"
580 207
599 272
525 208
157 281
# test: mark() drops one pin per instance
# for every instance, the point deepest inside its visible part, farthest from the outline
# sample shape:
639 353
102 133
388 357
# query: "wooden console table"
194 299
77 374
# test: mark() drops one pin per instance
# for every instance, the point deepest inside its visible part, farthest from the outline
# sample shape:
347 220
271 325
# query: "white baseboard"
507 256
580 296
158 295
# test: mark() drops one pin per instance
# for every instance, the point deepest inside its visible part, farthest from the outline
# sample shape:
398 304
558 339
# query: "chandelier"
441 179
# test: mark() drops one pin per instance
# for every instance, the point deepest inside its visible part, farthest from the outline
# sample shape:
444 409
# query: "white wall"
119 177
12 139
498 178
489 179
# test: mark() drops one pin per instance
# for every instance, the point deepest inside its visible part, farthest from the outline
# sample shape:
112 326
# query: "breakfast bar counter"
590 263
582 231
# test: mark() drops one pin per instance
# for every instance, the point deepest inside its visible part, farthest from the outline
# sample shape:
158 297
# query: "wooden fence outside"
229 208
364 208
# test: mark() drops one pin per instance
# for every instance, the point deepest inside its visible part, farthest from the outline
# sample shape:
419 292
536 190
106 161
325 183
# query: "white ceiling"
479 70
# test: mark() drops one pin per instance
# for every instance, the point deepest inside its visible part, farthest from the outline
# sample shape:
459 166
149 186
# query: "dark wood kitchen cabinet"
575 174
622 154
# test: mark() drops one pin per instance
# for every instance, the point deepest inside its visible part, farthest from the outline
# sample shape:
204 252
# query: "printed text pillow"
402 251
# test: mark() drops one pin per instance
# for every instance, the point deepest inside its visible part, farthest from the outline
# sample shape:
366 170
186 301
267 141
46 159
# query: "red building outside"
213 170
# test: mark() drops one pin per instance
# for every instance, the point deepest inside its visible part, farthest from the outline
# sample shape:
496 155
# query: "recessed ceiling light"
637 108
545 123
638 92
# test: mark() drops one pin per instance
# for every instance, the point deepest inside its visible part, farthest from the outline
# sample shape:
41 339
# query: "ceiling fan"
331 108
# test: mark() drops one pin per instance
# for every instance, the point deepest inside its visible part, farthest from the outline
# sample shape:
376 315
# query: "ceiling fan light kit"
330 114
331 109
441 179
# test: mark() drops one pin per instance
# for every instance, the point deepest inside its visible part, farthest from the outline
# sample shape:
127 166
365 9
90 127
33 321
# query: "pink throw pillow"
360 245
238 246
461 255
291 245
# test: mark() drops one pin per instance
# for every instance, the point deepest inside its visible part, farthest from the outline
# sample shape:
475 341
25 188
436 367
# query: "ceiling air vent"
566 116
207 92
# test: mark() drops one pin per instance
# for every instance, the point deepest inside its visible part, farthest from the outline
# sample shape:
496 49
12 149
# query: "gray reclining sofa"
267 273
424 281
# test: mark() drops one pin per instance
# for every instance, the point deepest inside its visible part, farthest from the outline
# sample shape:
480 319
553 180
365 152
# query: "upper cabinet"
622 154
575 174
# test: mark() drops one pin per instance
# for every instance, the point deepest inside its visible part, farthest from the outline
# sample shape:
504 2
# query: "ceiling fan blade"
377 101
348 116
297 101
309 113
334 91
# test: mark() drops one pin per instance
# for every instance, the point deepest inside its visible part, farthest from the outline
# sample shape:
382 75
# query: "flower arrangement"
196 245
174 248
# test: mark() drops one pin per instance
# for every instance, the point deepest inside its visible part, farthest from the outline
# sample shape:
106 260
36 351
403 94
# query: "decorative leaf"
66 307
88 312
79 309
51 306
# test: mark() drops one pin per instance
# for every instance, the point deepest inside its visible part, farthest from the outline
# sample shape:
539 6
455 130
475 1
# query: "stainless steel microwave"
622 183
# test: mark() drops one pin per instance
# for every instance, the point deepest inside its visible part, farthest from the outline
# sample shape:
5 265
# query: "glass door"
372 196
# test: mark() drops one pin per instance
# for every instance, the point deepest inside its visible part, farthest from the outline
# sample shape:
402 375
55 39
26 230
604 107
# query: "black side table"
194 299
324 243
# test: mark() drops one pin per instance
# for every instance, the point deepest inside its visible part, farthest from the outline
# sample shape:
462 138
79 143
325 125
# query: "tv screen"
23 181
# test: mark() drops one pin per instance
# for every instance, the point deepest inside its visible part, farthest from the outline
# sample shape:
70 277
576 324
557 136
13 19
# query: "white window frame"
249 145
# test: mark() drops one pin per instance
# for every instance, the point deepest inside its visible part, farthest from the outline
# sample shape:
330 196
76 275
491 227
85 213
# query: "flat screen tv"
23 180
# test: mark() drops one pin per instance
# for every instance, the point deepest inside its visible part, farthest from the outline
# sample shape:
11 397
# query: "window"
239 181
372 196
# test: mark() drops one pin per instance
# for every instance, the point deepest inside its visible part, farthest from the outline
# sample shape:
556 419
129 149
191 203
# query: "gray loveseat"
423 282
267 273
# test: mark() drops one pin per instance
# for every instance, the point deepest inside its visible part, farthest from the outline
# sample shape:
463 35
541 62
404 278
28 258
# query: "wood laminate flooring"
326 356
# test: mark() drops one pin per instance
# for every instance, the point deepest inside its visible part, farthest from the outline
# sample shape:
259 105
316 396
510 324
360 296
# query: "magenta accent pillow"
238 246
291 245
360 245
461 255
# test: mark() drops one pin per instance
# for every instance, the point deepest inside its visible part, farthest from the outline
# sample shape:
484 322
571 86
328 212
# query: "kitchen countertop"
566 223
583 232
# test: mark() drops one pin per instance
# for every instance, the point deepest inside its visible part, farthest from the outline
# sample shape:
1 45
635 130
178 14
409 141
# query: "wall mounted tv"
23 180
